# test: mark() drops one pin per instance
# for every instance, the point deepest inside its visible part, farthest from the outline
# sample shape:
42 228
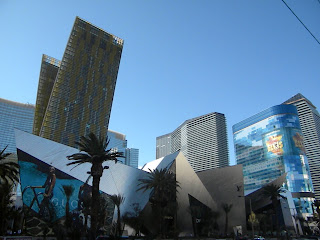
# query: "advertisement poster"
274 144
287 141
49 194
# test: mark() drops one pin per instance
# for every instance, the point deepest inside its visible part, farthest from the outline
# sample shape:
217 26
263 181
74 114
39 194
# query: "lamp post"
252 225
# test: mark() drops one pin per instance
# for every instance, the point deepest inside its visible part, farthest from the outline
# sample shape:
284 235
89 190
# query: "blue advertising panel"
49 194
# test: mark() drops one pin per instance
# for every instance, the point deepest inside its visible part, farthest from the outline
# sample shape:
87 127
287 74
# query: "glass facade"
270 144
48 73
82 92
14 115
118 143
310 125
132 157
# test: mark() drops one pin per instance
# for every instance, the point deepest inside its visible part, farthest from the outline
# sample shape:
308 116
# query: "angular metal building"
196 196
75 95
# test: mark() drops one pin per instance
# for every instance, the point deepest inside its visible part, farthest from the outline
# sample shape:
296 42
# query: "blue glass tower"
270 144
14 115
118 143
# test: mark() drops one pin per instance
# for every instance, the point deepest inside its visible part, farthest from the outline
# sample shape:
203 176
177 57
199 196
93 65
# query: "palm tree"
226 208
163 186
6 203
68 191
8 170
317 205
93 150
274 192
118 200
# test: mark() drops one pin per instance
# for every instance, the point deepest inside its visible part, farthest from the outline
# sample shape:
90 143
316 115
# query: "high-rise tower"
270 144
14 115
118 142
48 73
82 92
203 141
310 125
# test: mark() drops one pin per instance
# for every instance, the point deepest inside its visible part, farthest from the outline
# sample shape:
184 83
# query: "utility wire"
301 21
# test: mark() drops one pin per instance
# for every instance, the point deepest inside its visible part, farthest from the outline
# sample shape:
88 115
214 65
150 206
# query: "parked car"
258 238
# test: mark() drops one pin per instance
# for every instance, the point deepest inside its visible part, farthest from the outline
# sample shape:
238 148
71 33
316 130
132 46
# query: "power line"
301 21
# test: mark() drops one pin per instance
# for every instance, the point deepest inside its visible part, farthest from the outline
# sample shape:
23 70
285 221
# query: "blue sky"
181 59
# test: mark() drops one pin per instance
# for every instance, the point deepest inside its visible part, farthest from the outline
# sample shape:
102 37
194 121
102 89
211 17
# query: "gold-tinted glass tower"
82 93
48 73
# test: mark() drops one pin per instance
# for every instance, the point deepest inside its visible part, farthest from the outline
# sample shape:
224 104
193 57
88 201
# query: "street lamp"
250 214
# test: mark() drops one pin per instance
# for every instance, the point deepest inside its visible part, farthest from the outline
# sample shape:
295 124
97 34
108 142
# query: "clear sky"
181 59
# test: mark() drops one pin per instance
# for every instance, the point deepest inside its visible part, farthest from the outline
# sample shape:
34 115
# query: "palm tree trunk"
119 222
95 203
275 207
226 226
67 214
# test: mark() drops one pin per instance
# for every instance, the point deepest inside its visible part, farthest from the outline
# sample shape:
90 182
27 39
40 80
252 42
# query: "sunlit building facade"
270 144
82 92
310 125
204 194
132 157
118 143
48 73
203 140
14 115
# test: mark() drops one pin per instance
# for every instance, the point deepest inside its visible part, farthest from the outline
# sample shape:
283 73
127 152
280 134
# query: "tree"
8 170
273 192
9 176
68 191
94 150
253 220
6 203
163 186
317 206
226 208
118 200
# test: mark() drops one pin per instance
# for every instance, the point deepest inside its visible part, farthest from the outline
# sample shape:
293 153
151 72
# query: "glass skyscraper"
132 157
202 140
14 115
75 95
48 73
118 143
310 125
270 144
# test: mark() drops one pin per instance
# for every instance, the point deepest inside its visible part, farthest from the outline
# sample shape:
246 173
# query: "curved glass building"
270 144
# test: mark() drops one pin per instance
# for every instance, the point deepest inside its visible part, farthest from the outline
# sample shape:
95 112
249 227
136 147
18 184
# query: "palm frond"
9 171
78 156
68 190
4 155
117 199
78 162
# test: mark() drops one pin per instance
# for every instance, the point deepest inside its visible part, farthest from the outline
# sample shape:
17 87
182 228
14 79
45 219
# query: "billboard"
284 141
49 195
